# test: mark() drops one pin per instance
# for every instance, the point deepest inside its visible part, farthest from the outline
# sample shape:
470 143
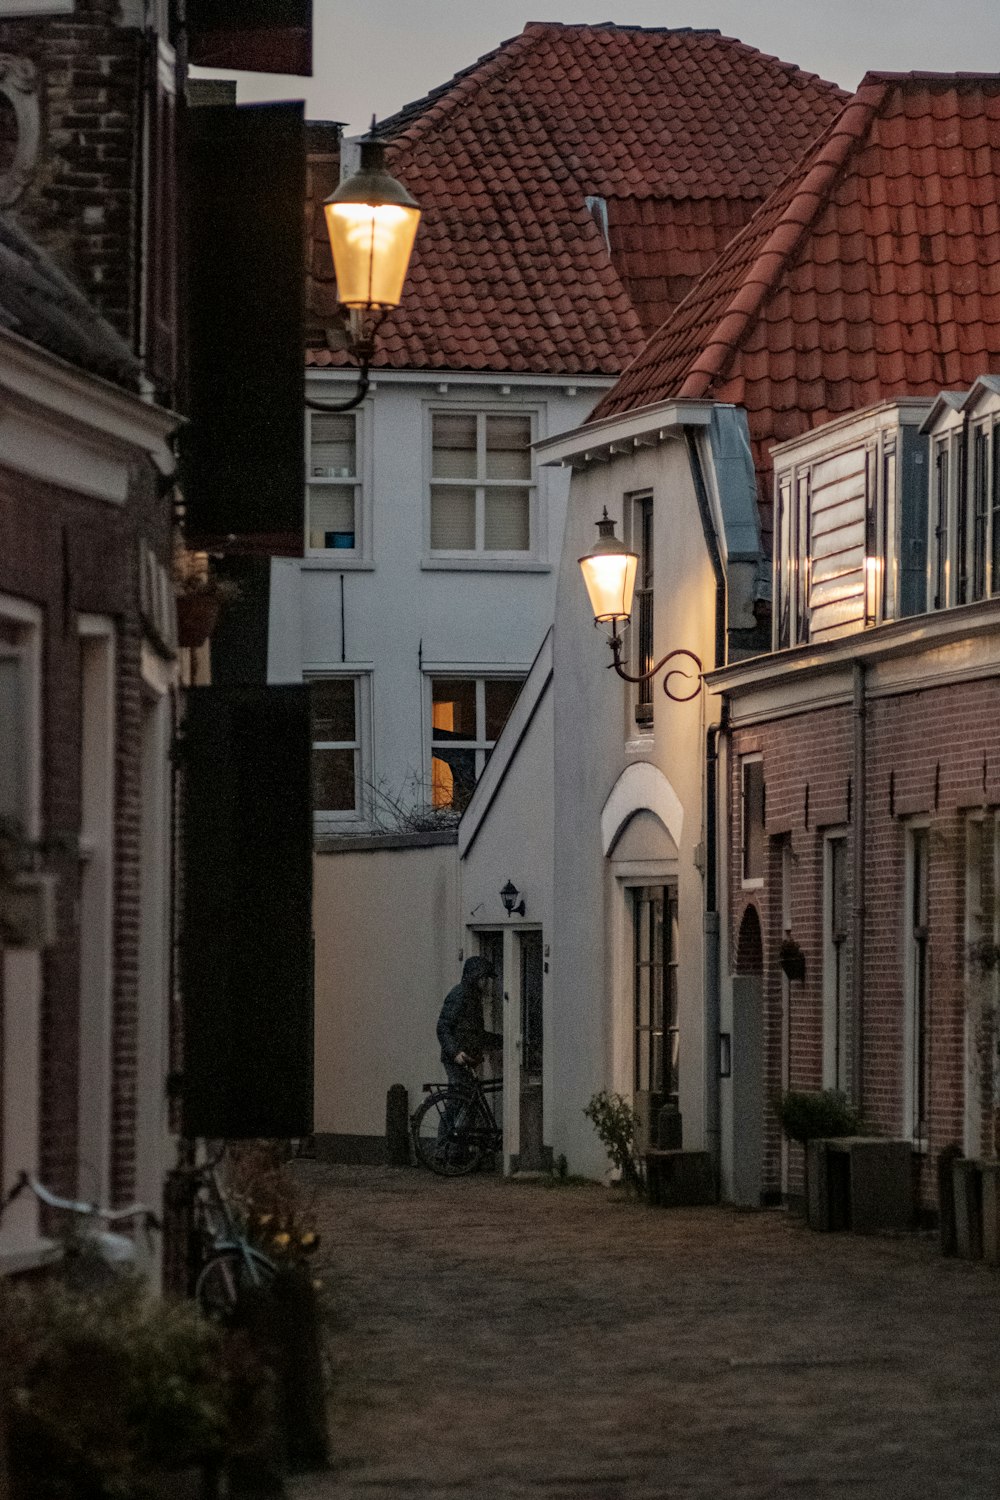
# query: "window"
656 1020
836 962
642 543
942 468
481 483
467 715
336 748
980 509
333 483
752 821
917 985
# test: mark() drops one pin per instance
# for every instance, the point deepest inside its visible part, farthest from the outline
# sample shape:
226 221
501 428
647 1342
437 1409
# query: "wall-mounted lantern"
372 223
609 571
509 896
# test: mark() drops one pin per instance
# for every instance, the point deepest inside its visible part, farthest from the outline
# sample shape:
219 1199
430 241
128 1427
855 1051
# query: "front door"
531 1154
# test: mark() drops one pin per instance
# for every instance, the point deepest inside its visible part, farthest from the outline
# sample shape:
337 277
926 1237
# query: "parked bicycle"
232 1264
455 1130
93 1240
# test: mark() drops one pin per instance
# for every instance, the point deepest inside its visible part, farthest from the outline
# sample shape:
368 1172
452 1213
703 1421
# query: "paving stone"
496 1340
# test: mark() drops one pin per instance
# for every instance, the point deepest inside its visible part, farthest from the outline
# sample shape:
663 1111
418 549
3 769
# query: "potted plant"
792 959
201 594
614 1120
807 1116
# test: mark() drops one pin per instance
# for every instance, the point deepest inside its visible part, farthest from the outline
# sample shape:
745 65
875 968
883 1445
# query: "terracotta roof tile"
683 133
873 270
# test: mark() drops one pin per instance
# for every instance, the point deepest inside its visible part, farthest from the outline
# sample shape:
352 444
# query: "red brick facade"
932 756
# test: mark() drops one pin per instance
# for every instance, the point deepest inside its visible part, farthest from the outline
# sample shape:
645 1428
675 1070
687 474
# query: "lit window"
467 715
333 483
481 482
752 822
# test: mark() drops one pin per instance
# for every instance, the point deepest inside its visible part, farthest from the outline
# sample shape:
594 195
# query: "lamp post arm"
616 648
360 393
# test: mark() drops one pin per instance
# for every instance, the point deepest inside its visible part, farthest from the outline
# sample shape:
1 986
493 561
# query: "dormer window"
851 525
964 496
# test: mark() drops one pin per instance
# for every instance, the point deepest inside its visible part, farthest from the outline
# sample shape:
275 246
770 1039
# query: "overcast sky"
376 55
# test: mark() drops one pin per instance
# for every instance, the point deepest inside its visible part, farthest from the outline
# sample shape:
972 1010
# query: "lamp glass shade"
371 245
609 573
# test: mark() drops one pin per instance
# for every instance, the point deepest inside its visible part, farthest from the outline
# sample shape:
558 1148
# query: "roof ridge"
816 175
441 99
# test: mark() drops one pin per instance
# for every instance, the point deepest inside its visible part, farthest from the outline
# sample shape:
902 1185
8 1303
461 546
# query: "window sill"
334 564
483 565
757 884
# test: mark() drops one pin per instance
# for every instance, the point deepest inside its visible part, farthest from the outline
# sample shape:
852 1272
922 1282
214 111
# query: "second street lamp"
372 222
609 571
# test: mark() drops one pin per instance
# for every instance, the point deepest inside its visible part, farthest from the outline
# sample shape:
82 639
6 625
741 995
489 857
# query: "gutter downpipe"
711 970
858 914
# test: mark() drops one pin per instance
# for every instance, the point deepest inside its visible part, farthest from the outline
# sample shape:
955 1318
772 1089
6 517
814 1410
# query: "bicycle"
102 1249
233 1266
464 1130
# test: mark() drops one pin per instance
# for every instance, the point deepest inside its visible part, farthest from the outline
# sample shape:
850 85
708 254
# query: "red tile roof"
873 271
683 133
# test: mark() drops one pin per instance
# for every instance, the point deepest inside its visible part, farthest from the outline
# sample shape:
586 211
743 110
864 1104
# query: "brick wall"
84 202
932 755
71 555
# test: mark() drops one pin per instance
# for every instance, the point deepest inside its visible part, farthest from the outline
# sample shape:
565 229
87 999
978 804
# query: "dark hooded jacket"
460 1026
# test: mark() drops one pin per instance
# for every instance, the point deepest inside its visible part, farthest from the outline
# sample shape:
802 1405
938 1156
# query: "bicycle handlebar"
76 1206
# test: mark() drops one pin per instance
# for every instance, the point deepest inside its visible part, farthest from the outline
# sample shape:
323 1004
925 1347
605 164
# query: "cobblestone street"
496 1339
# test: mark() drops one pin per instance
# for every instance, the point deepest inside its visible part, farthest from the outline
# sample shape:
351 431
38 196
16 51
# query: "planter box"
679 1179
861 1183
991 1213
967 1185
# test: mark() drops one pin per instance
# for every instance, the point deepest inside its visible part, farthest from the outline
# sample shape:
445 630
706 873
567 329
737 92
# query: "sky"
372 56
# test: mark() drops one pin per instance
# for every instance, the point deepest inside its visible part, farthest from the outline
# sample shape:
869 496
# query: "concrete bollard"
397 1126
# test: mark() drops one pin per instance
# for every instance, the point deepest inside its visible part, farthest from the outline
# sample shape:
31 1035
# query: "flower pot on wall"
793 960
196 618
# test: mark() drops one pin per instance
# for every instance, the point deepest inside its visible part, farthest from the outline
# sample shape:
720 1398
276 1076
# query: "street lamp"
609 572
372 221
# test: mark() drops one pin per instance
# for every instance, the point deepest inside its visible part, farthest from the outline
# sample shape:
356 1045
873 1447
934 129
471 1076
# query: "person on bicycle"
461 1029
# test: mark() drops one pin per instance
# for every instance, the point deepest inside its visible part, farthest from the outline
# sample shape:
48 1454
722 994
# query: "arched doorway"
748 1061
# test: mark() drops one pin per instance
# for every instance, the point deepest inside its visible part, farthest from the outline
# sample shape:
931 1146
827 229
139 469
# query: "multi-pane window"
642 543
752 819
333 482
336 745
836 963
941 501
656 1014
467 715
481 482
916 938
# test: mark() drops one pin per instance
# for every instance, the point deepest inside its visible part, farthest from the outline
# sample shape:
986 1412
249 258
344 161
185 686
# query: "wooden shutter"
246 932
263 36
245 247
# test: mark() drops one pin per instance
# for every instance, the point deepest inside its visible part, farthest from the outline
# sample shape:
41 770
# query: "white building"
574 183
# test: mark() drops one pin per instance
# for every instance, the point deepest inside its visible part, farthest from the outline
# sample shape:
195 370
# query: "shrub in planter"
813 1116
614 1120
108 1390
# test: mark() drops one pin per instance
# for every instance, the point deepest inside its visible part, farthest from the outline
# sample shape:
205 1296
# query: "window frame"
752 882
479 744
917 955
346 820
479 555
640 529
360 555
837 957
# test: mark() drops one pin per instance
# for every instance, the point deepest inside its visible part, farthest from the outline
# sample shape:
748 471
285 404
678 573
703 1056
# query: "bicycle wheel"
227 1277
445 1132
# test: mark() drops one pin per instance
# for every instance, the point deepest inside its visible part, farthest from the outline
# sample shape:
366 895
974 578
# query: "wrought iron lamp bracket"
616 643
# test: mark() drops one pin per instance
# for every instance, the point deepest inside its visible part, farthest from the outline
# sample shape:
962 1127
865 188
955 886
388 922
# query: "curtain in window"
454 445
332 449
507 528
453 519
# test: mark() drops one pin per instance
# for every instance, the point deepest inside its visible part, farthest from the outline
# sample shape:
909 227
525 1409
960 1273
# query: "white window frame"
349 820
479 555
911 1020
20 1243
478 743
836 972
634 505
749 882
360 555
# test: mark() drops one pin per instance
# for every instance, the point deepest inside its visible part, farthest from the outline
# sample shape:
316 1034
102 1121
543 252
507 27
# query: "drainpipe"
858 915
711 974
